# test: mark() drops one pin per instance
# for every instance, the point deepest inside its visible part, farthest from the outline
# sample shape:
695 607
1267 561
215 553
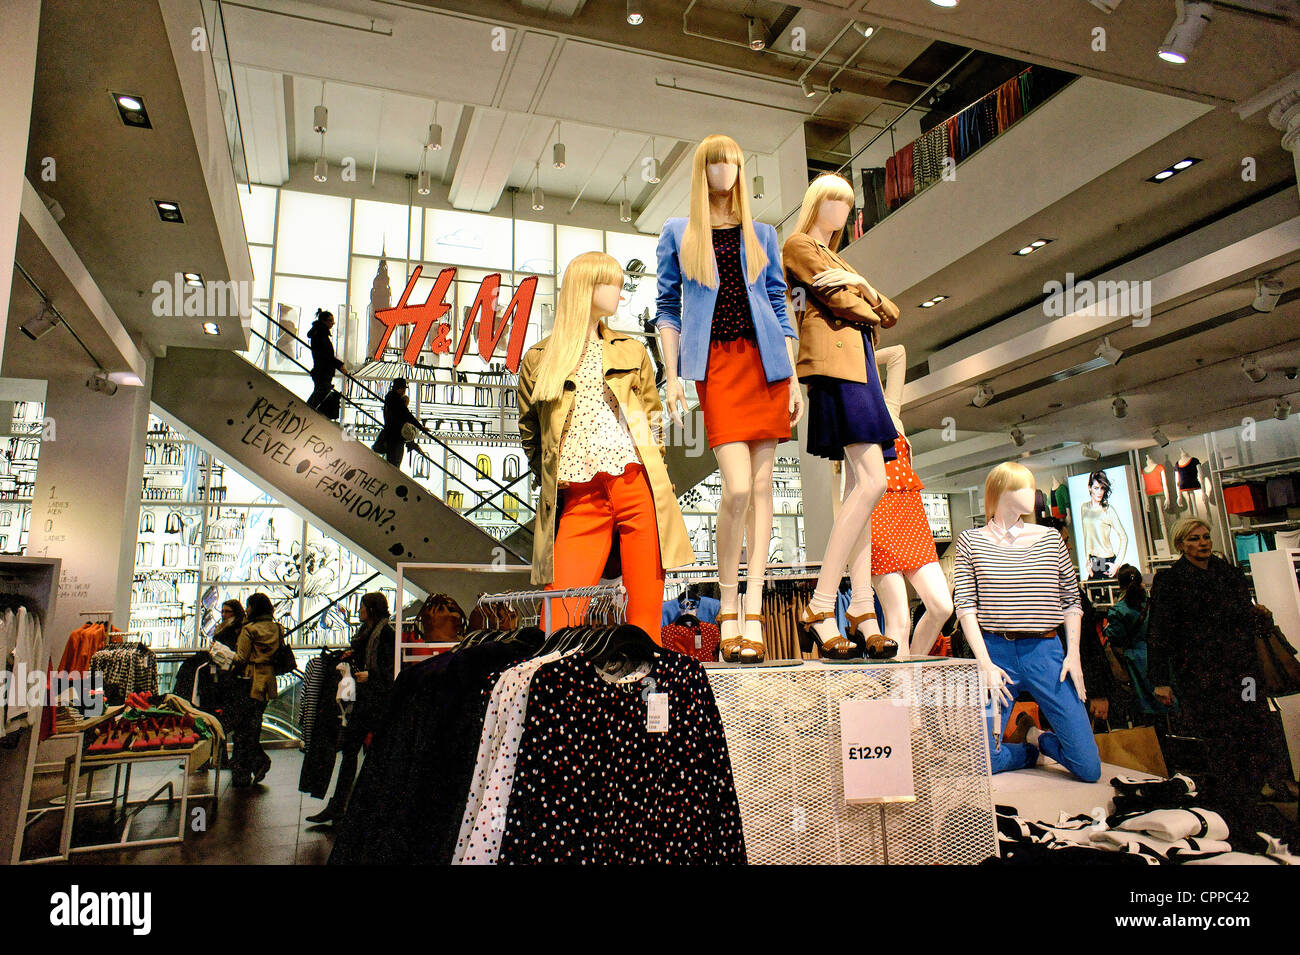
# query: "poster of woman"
1103 523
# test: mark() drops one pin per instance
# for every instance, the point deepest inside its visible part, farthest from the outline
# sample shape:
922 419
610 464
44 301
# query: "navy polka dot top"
731 316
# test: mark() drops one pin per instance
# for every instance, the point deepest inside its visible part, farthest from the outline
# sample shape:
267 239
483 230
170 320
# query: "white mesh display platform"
782 727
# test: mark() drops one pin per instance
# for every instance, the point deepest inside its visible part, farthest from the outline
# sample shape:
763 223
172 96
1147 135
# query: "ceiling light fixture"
433 140
1160 437
1190 20
863 28
1108 352
131 110
983 394
756 41
932 302
1089 452
1250 368
41 323
423 184
1017 437
320 171
946 4
1032 247
1282 409
1106 6
539 198
634 15
758 181
168 211
1119 407
806 85
101 383
320 119
624 206
210 328
1267 292
194 279
652 167
1168 173
557 151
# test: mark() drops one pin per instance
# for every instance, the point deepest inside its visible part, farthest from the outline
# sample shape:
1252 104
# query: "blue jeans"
1034 664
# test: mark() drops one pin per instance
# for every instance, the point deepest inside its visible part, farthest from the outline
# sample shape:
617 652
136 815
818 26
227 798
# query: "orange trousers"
589 516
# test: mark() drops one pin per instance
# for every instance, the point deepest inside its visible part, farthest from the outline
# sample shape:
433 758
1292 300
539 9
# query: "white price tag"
876 748
656 714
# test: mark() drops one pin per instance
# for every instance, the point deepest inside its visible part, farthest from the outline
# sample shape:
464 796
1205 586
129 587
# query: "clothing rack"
616 591
708 573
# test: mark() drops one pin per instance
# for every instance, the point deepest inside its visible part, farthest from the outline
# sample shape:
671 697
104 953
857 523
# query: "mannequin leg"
1070 741
849 544
1008 756
758 535
892 591
638 540
932 587
582 543
737 476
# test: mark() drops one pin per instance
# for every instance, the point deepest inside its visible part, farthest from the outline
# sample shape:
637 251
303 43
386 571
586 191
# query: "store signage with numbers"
876 750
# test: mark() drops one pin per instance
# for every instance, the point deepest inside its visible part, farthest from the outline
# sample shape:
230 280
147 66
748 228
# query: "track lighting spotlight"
557 155
320 172
1089 452
756 41
539 199
1267 292
422 179
1119 407
1250 368
1017 437
1191 18
806 85
320 119
1108 352
43 322
865 29
624 211
1282 409
1160 437
983 395
101 383
434 139
758 187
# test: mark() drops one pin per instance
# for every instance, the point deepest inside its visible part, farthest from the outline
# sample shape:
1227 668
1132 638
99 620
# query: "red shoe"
147 736
171 732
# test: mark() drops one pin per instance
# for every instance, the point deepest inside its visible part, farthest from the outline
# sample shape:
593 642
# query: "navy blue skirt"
842 412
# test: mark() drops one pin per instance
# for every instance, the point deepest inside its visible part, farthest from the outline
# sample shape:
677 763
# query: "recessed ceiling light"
210 328
131 109
1183 164
1164 175
939 298
945 3
1177 167
1025 251
1038 243
927 304
1032 247
168 211
193 278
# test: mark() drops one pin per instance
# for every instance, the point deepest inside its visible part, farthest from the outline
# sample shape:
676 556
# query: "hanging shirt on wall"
1188 476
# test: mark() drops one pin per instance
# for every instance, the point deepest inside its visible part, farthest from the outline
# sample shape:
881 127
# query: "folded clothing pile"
1156 822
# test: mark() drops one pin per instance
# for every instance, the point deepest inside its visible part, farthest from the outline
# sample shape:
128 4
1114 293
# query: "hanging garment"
1188 477
1282 491
648 798
1153 481
1248 498
699 642
318 758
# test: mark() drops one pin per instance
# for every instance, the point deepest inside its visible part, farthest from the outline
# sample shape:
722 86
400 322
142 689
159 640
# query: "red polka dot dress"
900 534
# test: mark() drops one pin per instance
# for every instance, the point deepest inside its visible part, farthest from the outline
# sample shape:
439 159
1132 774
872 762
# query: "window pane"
259 213
571 242
625 247
313 235
261 256
307 295
534 247
382 227
465 238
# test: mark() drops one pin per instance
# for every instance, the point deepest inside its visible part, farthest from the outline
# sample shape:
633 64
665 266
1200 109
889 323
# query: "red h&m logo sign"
425 316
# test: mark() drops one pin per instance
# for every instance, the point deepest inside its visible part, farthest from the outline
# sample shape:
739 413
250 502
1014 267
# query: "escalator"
269 436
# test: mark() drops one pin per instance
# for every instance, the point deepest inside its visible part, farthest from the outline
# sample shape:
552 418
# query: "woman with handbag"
324 364
400 426
371 659
255 652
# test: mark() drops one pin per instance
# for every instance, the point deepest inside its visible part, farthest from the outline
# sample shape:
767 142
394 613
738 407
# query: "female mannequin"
848 419
1014 587
901 543
1104 539
1189 478
1153 479
721 316
588 406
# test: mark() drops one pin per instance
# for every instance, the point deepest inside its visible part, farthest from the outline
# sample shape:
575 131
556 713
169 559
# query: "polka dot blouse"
731 316
593 786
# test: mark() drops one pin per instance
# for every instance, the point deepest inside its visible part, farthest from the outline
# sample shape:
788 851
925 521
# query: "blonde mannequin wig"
1008 476
826 188
573 320
697 240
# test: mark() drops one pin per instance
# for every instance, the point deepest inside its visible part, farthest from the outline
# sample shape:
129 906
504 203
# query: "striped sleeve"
965 593
1070 598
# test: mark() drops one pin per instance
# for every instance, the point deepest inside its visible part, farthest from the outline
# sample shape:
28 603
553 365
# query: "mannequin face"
605 299
721 176
832 214
1013 505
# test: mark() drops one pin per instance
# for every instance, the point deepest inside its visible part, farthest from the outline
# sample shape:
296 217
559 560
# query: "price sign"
876 751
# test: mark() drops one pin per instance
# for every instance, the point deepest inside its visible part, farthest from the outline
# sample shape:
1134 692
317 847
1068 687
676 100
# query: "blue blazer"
687 306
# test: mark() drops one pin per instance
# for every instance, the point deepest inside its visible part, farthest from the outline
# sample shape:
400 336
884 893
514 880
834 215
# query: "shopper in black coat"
1201 650
324 364
371 657
397 415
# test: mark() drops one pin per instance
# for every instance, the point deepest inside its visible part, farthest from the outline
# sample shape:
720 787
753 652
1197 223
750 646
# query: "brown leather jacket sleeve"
803 261
529 423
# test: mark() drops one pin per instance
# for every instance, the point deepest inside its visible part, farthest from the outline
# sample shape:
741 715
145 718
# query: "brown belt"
1023 634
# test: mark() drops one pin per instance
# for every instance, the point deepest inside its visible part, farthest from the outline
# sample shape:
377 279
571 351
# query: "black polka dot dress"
592 786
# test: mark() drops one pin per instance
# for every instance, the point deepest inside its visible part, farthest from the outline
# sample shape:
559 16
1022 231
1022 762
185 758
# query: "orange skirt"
738 402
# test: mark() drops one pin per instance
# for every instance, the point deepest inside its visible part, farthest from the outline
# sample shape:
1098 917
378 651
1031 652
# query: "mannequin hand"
362 676
1099 709
675 399
1074 670
796 402
1165 695
996 679
837 278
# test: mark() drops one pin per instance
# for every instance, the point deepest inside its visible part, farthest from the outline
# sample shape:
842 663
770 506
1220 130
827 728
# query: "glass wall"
22 451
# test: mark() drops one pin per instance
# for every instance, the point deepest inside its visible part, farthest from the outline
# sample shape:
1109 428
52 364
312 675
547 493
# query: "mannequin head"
715 159
1099 488
589 292
826 204
1009 492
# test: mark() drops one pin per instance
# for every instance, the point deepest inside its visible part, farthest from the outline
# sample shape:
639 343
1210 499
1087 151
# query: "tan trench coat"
832 321
256 648
630 376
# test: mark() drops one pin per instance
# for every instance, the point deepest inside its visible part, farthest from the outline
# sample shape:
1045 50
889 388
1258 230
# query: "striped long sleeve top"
1015 588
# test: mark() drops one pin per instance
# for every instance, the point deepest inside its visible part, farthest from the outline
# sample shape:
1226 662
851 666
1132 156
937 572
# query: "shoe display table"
783 736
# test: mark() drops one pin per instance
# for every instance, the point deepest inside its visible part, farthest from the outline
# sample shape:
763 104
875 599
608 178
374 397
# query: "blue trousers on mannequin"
1034 664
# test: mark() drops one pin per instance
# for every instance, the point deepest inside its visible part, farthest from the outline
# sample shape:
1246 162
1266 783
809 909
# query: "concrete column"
19 20
86 506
